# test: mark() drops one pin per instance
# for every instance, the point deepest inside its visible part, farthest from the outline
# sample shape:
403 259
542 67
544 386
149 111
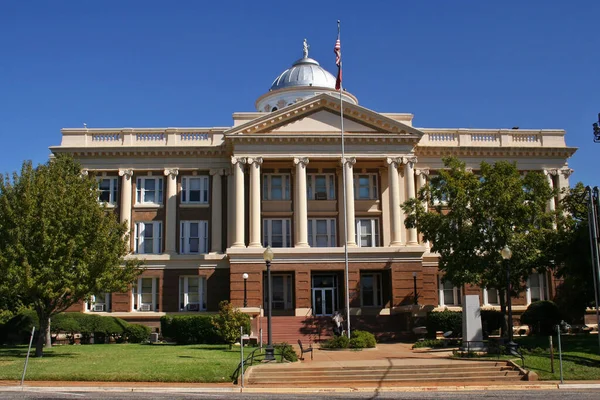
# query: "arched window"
273 109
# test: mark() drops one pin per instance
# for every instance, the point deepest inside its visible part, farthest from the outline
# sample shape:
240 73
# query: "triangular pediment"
321 115
322 121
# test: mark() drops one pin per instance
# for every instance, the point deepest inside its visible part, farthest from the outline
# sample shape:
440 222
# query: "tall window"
536 288
149 190
321 232
276 232
436 184
449 294
107 190
370 290
194 189
194 237
276 186
367 232
365 187
321 186
145 294
192 293
99 302
148 238
490 296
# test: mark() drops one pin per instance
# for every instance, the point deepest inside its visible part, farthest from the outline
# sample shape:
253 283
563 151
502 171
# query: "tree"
471 217
228 322
572 256
58 244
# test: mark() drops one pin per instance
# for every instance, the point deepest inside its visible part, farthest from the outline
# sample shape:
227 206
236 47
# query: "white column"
348 164
409 176
549 174
171 215
302 205
230 207
563 181
238 210
255 217
216 212
422 181
394 183
125 206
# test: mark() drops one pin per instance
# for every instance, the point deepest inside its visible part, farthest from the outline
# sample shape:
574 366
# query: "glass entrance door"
323 301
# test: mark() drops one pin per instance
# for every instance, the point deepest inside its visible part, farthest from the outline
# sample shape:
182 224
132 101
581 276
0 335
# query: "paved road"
591 394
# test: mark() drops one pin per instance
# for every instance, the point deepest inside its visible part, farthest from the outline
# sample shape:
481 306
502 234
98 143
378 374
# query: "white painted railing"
492 138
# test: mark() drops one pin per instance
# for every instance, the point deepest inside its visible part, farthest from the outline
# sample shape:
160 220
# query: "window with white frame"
367 232
490 297
145 294
99 302
536 288
107 190
365 187
149 190
148 238
321 186
194 237
276 186
370 290
276 232
192 293
321 232
194 189
449 294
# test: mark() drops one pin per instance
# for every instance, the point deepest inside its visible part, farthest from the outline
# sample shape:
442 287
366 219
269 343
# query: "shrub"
433 343
17 330
137 333
444 321
541 317
190 329
491 320
166 328
287 351
362 340
228 322
338 342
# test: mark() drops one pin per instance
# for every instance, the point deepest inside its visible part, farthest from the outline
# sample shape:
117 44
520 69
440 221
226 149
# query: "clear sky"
470 64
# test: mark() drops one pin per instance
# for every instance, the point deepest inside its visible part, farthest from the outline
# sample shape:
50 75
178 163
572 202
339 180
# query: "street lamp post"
416 296
506 254
269 351
245 276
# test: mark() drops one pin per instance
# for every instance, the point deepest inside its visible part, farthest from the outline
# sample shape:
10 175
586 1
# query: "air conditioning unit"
193 307
145 307
98 307
320 196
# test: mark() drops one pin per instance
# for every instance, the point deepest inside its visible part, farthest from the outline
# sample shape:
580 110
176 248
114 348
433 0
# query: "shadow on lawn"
18 353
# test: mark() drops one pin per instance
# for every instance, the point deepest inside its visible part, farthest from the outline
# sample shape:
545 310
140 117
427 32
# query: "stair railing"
253 358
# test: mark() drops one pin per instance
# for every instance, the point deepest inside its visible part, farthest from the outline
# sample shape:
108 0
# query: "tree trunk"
501 295
48 335
43 337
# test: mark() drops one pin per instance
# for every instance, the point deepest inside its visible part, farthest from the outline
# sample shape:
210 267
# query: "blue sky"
477 64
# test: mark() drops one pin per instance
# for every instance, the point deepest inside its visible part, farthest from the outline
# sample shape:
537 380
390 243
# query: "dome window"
273 109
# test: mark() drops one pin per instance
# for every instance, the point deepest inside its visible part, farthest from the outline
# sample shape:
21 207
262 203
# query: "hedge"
189 329
542 317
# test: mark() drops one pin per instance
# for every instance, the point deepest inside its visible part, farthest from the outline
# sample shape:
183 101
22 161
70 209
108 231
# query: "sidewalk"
385 354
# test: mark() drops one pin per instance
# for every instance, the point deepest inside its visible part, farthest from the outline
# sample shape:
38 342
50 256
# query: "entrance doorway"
324 294
282 296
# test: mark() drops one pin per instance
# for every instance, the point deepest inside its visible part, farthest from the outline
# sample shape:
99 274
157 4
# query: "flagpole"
346 278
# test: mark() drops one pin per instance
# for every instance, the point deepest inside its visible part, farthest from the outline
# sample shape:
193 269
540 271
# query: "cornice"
325 138
142 151
430 151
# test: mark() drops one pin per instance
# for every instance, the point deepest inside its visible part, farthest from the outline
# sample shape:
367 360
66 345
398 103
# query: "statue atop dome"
305 49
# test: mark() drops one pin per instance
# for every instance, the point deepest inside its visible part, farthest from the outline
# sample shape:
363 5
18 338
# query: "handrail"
260 357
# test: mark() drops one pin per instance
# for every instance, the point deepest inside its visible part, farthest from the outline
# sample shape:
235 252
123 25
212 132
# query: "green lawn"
581 359
123 362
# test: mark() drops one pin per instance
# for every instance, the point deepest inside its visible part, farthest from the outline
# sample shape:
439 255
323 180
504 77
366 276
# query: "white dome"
304 72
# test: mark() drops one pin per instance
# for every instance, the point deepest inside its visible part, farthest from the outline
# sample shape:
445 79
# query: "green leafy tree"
471 217
572 256
58 245
228 322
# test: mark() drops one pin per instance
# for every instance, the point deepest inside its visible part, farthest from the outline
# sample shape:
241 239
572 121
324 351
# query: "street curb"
461 388
579 385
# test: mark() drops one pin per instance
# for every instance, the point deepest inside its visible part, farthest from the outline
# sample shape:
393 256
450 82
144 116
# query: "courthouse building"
202 204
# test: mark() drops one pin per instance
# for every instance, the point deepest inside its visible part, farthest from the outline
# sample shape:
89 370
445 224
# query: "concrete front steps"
423 374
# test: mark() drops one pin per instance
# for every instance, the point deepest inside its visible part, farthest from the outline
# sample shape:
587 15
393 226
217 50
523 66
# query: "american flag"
338 61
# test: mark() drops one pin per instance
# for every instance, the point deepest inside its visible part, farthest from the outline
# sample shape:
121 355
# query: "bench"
305 350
